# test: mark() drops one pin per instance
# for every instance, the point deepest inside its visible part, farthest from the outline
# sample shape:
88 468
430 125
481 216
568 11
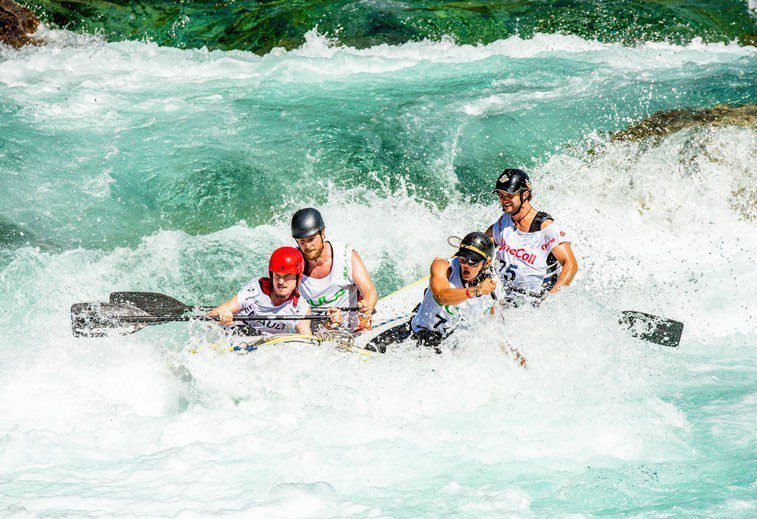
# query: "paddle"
157 303
653 328
647 327
105 319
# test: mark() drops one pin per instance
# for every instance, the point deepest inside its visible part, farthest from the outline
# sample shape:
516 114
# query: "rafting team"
525 251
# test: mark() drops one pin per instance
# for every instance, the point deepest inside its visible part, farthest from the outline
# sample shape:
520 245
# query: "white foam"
107 72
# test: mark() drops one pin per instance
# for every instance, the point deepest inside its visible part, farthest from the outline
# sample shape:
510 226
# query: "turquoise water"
129 166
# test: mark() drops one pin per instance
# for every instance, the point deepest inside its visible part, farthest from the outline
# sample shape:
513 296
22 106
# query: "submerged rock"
16 24
669 121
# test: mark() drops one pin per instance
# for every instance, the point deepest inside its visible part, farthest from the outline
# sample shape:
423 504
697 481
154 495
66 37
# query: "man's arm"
303 327
564 254
444 292
490 231
364 284
225 311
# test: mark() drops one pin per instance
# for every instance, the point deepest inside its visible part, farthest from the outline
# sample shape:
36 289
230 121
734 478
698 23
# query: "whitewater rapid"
134 167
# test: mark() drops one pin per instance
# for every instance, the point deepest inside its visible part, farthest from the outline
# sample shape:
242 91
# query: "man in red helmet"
275 295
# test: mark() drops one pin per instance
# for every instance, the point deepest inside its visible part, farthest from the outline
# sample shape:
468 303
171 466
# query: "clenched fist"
486 287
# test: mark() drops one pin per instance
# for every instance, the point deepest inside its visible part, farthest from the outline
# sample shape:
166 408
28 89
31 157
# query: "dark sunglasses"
465 261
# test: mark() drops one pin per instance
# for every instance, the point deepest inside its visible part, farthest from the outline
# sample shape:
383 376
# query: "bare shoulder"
439 266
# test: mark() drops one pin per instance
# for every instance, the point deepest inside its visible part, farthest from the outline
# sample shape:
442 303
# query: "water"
262 26
129 166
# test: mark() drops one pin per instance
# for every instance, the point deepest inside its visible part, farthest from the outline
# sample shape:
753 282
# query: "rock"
16 24
669 121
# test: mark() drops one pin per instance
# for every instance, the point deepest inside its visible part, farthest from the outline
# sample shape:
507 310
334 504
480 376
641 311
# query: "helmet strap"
523 201
520 206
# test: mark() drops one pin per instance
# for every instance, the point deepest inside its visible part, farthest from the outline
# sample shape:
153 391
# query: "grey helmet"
306 223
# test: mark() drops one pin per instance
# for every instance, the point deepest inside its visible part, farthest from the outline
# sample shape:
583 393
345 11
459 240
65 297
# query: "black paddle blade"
104 319
153 303
653 328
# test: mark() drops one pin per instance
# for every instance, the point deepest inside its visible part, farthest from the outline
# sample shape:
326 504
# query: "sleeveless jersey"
254 299
524 260
443 319
337 288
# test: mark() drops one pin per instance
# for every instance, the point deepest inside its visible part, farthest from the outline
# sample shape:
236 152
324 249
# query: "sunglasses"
465 261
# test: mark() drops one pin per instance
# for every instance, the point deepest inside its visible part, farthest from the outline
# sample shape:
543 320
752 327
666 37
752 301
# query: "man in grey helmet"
335 275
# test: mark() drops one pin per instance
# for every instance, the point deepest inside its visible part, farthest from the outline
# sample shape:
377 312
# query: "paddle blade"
653 328
153 303
104 319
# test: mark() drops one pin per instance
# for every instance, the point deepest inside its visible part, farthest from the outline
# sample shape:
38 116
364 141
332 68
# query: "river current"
130 166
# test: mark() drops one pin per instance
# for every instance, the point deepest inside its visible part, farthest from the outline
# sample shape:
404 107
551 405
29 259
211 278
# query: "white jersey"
444 318
336 289
255 299
524 260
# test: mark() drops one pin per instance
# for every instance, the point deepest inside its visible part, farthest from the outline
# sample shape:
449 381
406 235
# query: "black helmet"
511 181
307 222
476 246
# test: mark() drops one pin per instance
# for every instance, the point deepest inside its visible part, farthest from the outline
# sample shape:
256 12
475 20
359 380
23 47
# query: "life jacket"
337 288
524 260
255 299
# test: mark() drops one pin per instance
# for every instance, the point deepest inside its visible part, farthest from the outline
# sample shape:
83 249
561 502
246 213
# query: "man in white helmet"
335 275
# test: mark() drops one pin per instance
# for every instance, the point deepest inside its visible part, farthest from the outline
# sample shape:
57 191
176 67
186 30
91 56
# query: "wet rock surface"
16 24
670 121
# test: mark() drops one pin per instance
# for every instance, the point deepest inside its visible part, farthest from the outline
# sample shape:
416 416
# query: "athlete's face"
511 204
312 247
284 284
469 271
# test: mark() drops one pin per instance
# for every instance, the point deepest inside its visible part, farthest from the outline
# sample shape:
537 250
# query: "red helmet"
286 260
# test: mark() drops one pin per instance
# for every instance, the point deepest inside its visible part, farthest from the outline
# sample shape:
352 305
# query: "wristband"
467 293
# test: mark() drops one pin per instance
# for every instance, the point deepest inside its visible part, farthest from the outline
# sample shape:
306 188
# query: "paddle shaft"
342 308
148 319
156 303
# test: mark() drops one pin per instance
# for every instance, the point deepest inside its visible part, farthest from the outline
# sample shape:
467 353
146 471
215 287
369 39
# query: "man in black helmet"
533 252
335 275
458 286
